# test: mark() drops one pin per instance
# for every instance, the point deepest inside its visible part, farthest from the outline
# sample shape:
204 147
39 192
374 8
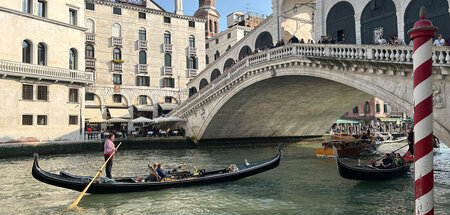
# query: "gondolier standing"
411 141
109 148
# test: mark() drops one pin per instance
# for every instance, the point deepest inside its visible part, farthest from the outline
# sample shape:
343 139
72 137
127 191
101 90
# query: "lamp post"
422 35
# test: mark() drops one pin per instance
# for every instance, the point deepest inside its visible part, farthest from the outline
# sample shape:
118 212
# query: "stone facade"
42 102
144 36
371 109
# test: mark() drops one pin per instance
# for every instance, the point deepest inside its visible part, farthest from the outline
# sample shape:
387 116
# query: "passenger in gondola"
153 176
161 172
386 163
398 161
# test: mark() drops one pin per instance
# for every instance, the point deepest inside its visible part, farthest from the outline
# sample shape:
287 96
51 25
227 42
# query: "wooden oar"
75 203
391 152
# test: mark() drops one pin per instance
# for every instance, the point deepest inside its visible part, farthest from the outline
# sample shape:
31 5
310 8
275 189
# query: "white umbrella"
112 120
141 120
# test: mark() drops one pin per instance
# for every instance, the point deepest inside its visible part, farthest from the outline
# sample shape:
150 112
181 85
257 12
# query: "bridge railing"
371 53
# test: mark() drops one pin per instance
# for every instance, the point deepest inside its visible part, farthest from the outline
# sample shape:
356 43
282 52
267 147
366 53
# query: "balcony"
142 44
90 37
167 71
116 67
167 47
142 68
190 73
116 41
90 63
25 70
191 51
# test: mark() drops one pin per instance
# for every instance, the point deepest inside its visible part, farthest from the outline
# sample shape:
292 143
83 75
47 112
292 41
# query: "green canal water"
302 184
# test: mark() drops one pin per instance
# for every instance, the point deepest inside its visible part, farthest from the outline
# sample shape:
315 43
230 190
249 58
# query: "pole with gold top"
422 35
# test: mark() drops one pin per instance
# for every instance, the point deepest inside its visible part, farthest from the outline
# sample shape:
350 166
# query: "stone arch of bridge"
356 92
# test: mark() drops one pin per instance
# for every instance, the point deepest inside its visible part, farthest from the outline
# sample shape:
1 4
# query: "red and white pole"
422 35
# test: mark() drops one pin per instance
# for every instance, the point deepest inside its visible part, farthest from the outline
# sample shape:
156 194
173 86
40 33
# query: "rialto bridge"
302 89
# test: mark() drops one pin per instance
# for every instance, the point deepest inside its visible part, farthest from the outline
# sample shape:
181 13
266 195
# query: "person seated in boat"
153 176
398 161
386 163
161 172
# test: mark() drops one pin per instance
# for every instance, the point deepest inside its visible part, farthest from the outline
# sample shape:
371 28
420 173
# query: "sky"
225 7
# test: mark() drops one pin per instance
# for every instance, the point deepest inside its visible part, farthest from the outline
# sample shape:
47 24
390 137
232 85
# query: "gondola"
367 172
131 184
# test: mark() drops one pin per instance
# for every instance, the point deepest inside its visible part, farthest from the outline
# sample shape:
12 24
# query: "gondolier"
411 141
109 148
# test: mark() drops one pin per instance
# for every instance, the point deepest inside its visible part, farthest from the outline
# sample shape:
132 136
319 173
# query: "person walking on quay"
109 148
411 141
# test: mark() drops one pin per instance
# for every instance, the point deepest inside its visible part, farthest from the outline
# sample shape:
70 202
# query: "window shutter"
196 63
187 63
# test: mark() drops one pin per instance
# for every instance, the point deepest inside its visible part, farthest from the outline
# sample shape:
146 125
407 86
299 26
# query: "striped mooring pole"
422 35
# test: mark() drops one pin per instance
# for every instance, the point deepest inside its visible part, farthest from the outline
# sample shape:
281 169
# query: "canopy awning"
113 120
346 121
141 120
145 108
167 106
119 113
385 119
92 113
95 120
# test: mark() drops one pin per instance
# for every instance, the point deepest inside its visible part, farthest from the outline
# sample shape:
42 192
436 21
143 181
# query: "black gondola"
369 172
130 184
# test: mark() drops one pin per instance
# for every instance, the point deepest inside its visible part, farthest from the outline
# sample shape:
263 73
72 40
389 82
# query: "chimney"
179 7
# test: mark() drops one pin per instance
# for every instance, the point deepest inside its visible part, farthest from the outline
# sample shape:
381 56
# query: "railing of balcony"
191 73
116 41
142 68
167 71
167 47
90 63
191 51
116 66
142 44
44 72
90 37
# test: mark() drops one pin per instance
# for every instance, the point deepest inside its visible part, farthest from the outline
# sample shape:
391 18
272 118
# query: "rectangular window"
27 92
169 82
385 108
27 6
192 24
142 15
217 40
377 107
143 100
42 119
73 120
73 95
117 79
142 35
117 98
27 119
90 6
72 17
43 93
143 81
117 10
355 109
167 19
42 8
228 35
207 46
89 97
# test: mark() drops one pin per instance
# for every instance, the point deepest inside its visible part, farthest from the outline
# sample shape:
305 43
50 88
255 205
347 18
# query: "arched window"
206 25
73 59
142 34
367 107
215 74
216 28
167 39
377 107
210 26
116 30
142 57
167 60
90 26
217 55
117 54
89 51
26 51
192 41
42 54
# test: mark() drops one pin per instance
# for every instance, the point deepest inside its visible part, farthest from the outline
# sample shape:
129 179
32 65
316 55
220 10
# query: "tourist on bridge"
109 148
439 41
294 39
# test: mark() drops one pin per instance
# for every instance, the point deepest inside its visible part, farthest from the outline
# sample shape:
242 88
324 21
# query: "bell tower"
206 10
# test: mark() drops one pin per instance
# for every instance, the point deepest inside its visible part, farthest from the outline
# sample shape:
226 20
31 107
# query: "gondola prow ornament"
422 35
